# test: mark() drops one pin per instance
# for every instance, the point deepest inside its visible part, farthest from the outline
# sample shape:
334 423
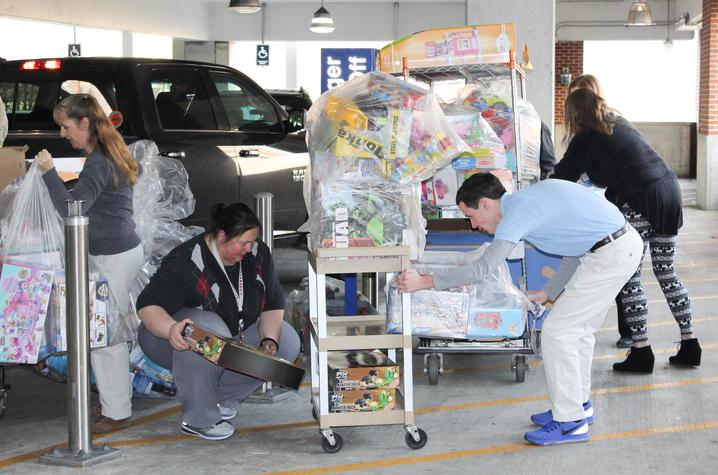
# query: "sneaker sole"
188 431
226 417
558 442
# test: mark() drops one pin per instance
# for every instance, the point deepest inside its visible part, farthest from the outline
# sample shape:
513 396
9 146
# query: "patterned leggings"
631 301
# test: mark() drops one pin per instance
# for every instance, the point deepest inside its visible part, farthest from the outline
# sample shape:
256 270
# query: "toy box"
99 300
488 323
445 184
237 356
450 46
362 370
359 400
434 313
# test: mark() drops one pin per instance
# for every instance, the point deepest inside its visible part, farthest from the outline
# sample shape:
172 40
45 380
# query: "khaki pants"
567 336
111 364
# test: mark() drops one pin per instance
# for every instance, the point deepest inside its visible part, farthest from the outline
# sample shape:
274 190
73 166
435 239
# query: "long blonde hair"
585 109
102 134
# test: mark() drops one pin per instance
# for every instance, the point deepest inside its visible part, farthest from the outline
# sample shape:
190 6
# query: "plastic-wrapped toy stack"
372 141
494 104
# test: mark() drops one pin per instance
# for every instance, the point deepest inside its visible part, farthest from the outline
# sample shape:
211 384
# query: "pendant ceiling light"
640 13
322 21
245 6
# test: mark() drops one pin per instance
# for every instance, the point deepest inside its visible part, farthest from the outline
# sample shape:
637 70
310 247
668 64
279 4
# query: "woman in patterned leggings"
614 155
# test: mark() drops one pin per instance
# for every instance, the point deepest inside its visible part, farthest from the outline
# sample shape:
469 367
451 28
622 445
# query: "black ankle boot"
689 354
638 360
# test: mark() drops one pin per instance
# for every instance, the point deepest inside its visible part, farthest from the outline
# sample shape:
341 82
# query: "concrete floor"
666 422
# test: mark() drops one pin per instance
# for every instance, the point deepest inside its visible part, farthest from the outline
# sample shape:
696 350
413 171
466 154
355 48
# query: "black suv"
231 136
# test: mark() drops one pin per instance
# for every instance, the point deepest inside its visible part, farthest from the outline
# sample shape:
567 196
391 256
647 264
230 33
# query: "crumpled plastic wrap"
491 309
161 196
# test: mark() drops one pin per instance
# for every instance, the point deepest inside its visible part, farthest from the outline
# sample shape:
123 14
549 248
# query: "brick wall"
568 54
708 109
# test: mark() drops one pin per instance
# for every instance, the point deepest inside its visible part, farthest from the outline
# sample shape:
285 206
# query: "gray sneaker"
229 411
220 431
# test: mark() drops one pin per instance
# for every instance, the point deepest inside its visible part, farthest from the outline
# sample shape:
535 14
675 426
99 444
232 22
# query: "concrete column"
707 166
127 44
291 62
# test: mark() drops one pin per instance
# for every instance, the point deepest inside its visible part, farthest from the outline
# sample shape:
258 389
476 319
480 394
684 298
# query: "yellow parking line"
493 450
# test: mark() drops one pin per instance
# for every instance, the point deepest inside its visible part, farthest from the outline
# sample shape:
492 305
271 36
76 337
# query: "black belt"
610 238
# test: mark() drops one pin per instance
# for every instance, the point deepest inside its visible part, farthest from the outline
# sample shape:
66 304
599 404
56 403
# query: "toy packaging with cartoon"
372 140
99 299
362 400
495 308
24 298
361 370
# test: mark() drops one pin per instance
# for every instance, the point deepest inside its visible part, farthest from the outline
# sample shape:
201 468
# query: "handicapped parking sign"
73 50
262 55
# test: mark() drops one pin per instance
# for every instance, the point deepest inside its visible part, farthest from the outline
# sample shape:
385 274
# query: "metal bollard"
265 212
78 329
80 452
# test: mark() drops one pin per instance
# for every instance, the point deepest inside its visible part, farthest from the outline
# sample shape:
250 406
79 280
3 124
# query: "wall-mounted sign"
343 64
262 55
73 50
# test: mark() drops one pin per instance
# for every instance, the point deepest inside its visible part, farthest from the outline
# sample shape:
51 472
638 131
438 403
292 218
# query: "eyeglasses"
245 243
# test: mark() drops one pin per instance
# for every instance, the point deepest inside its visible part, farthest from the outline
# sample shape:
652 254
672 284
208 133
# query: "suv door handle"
175 154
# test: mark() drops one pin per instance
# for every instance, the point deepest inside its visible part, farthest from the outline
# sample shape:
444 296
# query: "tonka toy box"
362 370
358 400
488 323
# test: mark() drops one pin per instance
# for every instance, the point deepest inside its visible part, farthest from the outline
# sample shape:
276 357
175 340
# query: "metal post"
80 452
265 212
370 288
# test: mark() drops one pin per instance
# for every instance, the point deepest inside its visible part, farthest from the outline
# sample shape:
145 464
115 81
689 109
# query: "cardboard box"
12 164
99 300
488 323
362 370
359 400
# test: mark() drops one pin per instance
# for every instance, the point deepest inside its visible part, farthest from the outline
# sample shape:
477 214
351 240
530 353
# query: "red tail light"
47 64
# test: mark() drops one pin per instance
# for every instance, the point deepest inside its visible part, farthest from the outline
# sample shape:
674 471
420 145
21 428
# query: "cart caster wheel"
332 449
416 444
432 369
520 368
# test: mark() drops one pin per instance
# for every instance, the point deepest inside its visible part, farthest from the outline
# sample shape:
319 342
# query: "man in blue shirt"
601 252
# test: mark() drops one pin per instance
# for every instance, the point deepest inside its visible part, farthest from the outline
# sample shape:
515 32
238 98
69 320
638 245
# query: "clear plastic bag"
379 126
32 230
530 128
487 151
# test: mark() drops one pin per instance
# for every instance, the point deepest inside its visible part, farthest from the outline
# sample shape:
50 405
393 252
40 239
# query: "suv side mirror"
295 121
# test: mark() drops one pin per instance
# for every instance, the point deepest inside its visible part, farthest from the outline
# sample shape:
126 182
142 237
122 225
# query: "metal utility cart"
483 74
366 332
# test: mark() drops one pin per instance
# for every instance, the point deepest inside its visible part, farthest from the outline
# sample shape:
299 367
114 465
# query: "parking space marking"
493 450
